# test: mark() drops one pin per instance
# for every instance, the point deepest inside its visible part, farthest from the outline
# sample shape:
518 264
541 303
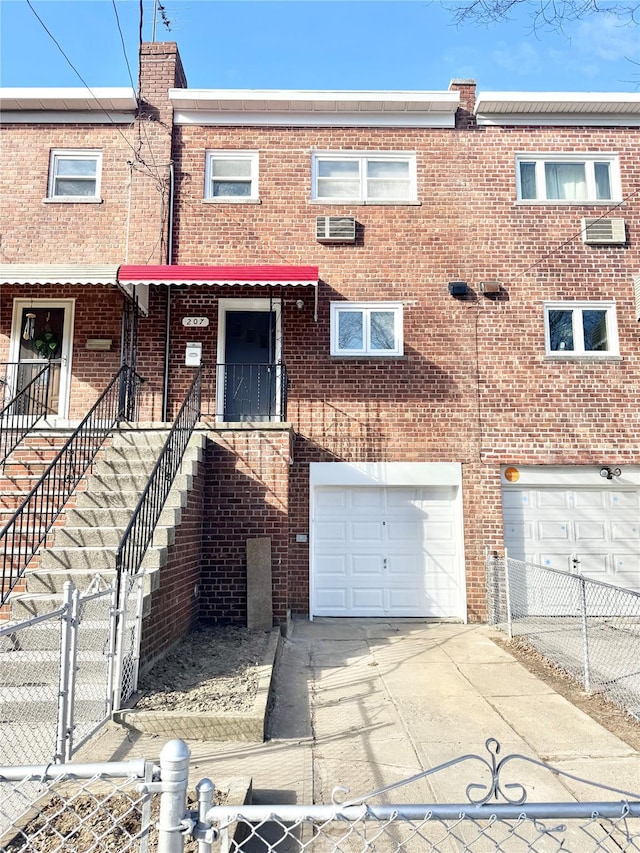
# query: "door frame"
228 305
66 350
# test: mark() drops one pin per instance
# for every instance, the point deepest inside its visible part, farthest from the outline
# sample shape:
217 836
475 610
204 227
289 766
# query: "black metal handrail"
26 407
27 529
139 532
246 392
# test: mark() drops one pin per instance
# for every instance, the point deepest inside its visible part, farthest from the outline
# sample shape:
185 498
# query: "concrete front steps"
87 544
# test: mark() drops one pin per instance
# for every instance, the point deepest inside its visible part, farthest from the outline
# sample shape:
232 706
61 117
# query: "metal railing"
82 807
27 529
139 532
26 407
245 392
588 628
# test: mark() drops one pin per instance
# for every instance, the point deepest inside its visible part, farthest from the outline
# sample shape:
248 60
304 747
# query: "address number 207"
195 322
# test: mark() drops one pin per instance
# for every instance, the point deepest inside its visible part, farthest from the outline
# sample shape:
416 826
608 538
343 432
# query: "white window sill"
348 202
366 357
559 202
72 200
230 200
583 358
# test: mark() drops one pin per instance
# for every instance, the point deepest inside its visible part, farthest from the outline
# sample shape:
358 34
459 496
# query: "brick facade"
474 385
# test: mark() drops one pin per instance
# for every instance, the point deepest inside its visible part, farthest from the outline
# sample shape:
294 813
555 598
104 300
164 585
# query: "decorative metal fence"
58 681
132 806
29 384
245 392
589 629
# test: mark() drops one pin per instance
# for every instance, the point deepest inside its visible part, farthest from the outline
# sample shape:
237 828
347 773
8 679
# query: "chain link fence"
59 679
589 629
136 806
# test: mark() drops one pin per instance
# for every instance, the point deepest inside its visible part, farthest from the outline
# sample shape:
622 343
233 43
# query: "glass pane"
231 188
388 189
603 183
67 166
338 168
387 169
565 181
561 331
350 330
594 324
329 188
68 187
527 180
227 168
383 330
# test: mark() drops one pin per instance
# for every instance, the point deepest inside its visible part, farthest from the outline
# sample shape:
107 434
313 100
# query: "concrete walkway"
367 703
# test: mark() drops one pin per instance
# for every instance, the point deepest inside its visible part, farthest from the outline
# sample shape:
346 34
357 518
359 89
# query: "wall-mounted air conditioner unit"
604 230
335 229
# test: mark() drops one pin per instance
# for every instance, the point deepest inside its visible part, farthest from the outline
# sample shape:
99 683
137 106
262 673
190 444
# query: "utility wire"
124 50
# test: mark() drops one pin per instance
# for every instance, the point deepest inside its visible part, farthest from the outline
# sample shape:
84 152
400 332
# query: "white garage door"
386 551
598 525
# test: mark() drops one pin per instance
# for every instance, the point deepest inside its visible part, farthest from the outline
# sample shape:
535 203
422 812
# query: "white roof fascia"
59 274
313 108
78 99
55 117
556 108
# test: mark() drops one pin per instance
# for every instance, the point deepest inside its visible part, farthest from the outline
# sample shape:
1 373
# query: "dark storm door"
250 375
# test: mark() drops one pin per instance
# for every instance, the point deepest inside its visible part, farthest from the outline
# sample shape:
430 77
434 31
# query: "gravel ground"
213 669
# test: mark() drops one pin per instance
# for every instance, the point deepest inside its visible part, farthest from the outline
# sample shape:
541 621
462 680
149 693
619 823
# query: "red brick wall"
174 607
474 385
246 495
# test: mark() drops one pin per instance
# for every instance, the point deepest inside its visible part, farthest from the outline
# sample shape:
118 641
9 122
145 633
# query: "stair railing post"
65 667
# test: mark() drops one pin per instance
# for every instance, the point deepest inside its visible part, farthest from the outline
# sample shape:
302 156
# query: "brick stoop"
223 726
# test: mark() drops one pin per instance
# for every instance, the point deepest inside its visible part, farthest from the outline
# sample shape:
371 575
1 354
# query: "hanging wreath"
46 343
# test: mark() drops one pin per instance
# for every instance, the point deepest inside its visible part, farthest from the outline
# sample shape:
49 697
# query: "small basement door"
386 551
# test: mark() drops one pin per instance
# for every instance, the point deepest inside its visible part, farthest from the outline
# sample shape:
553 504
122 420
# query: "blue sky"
315 44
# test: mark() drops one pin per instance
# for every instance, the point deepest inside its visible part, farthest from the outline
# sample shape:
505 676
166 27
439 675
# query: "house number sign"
195 322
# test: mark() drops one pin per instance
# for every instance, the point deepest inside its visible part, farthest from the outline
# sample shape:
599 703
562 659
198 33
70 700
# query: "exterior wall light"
609 473
299 304
458 288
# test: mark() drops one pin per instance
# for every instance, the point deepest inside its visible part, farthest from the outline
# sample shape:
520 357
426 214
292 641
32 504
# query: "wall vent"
335 229
604 230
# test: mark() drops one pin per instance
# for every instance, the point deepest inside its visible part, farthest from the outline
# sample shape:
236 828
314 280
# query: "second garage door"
386 551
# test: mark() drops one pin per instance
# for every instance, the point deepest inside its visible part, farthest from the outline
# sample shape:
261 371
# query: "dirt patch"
615 720
215 668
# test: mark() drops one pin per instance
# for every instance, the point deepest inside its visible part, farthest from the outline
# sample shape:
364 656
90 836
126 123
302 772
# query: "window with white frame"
580 328
577 178
366 328
232 176
373 178
75 175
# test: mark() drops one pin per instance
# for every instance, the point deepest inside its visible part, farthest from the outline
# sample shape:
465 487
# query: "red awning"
228 275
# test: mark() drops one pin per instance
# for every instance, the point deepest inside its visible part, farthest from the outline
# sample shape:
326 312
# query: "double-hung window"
74 175
570 178
580 328
366 328
374 178
231 176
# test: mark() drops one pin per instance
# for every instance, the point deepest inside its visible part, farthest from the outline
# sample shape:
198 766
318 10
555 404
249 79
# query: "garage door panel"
550 499
625 531
553 530
594 565
623 500
556 559
388 539
366 565
590 530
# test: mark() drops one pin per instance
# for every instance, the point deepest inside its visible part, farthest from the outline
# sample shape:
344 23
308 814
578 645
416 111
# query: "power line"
124 50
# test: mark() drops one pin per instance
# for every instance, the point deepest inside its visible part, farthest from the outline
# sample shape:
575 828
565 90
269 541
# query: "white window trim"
366 308
570 157
361 157
231 154
76 154
578 338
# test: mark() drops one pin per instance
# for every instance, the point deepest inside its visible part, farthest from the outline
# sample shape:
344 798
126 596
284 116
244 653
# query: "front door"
248 354
41 333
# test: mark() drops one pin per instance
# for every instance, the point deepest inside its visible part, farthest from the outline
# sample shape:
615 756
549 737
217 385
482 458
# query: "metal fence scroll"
589 629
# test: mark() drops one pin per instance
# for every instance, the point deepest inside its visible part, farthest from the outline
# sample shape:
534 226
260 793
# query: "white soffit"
313 108
62 105
556 108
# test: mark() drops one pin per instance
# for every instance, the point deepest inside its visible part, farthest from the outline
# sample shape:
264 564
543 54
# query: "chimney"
465 114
